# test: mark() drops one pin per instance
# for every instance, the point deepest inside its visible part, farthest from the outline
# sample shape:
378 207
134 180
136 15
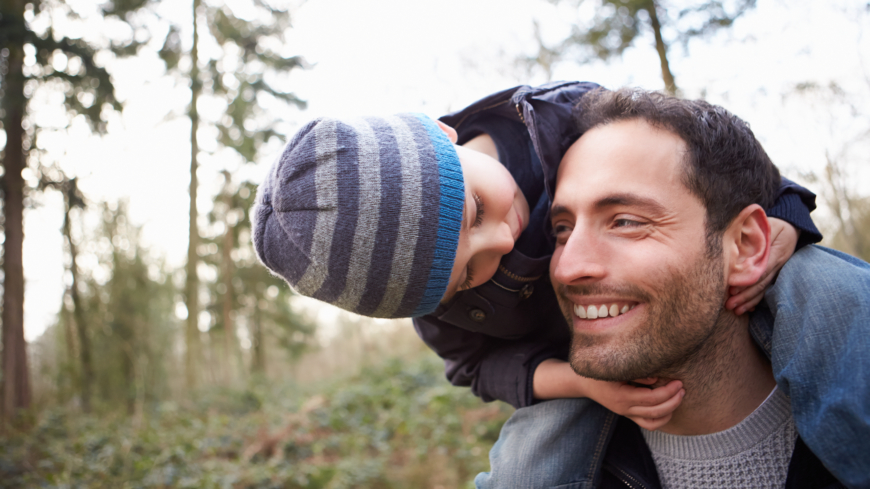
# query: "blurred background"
144 346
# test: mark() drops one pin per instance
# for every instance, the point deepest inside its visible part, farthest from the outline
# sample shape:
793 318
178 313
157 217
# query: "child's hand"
783 237
649 408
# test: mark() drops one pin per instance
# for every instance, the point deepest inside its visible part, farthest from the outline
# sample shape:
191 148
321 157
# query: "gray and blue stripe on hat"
375 220
449 216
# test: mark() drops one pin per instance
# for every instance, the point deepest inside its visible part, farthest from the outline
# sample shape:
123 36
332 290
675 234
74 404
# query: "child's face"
494 216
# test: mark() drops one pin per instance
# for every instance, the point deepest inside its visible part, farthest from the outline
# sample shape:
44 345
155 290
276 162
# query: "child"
387 218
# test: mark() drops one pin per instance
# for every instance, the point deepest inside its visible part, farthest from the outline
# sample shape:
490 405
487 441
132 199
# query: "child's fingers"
746 298
641 396
750 303
651 424
659 410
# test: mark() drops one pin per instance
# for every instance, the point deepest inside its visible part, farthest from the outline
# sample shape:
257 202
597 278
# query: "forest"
166 355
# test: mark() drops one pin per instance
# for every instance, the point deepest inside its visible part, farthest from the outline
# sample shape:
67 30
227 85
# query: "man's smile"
603 316
603 310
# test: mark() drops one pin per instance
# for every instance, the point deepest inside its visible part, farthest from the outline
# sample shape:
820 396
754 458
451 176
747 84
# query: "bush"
395 425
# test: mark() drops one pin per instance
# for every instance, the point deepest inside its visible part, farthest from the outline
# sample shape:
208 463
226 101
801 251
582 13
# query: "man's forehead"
630 148
625 158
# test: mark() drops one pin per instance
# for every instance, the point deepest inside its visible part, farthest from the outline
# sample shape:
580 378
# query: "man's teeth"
602 311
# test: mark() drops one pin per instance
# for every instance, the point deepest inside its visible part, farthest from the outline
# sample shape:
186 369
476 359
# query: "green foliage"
34 60
87 86
135 310
617 24
854 237
171 51
844 122
128 314
123 8
706 18
247 72
393 426
849 230
243 291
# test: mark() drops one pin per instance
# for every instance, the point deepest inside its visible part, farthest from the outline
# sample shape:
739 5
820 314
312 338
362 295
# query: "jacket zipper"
503 287
640 484
516 277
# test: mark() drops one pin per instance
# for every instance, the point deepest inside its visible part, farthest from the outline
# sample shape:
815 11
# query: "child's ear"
449 131
747 245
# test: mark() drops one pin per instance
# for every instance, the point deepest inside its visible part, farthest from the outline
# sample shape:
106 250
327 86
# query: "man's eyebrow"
630 200
558 209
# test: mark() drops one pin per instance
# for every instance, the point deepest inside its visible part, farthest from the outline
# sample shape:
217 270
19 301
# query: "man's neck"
725 381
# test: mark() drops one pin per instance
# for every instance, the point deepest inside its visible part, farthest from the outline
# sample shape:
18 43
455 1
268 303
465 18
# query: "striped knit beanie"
364 214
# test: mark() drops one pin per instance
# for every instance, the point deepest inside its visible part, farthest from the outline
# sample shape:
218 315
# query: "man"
658 210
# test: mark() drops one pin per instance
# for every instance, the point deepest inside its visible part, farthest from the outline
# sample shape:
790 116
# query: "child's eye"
478 219
469 279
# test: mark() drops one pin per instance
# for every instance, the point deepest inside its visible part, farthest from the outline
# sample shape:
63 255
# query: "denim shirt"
814 325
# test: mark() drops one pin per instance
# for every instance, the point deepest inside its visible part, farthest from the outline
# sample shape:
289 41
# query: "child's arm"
784 238
649 408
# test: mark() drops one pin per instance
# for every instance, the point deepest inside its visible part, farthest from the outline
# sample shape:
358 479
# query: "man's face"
631 267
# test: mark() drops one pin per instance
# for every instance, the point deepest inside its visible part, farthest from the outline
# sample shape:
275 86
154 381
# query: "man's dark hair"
725 165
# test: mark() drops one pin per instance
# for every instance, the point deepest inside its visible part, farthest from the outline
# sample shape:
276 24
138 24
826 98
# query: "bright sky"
384 56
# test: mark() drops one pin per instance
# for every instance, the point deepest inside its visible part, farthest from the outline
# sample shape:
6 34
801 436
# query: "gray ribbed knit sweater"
753 454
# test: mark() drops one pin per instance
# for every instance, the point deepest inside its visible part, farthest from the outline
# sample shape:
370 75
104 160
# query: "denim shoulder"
820 344
851 260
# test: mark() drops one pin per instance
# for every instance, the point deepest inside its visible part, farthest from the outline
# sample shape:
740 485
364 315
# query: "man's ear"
449 131
747 246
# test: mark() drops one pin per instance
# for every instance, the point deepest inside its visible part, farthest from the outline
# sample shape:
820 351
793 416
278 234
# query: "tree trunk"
128 368
258 362
231 360
662 49
68 378
87 369
233 365
16 380
192 285
844 206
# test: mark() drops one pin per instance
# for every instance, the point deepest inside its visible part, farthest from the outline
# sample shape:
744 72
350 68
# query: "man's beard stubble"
678 324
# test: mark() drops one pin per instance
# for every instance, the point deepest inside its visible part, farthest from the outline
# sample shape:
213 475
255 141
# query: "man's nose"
581 259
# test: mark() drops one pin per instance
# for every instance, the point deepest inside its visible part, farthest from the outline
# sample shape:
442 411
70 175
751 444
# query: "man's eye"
626 223
561 231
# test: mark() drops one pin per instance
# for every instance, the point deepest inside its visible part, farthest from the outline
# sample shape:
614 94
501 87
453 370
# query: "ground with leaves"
392 426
